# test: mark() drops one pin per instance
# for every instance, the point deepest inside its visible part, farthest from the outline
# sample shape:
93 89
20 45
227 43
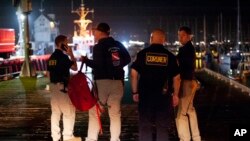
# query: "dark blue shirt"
186 59
155 65
58 66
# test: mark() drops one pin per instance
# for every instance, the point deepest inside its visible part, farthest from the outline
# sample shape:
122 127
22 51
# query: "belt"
57 82
64 89
108 78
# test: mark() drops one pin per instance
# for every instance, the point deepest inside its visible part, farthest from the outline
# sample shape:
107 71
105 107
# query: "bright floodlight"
22 17
125 43
52 25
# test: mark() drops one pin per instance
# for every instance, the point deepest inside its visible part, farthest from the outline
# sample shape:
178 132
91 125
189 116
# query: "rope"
98 111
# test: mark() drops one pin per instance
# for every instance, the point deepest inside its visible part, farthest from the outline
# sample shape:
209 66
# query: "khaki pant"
186 115
61 105
110 92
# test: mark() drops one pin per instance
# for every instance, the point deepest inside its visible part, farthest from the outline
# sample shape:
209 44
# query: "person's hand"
175 100
68 50
84 59
136 97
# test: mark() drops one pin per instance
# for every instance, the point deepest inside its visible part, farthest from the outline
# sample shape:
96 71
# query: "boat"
83 39
243 69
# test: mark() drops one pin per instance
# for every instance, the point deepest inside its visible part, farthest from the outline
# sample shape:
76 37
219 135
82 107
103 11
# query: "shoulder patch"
157 59
52 62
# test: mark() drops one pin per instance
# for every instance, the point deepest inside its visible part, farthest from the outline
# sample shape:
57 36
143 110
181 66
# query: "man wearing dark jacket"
109 58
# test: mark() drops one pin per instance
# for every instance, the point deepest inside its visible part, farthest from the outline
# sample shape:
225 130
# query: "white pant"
61 105
186 113
110 92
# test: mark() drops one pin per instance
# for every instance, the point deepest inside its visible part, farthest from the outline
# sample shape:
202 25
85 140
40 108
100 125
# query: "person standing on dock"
186 115
109 58
153 75
59 65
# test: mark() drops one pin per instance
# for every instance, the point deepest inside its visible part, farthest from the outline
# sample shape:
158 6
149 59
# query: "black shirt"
104 65
155 65
186 58
58 66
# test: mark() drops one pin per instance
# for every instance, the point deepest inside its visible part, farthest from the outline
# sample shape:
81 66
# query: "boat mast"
82 22
238 26
41 5
204 30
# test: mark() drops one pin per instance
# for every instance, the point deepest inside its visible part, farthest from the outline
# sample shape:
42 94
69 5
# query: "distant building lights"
52 25
125 44
136 42
22 17
177 43
202 43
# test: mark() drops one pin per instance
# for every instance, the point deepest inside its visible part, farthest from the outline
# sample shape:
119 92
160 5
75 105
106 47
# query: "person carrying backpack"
109 58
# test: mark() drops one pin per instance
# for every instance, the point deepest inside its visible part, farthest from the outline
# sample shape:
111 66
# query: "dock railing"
228 80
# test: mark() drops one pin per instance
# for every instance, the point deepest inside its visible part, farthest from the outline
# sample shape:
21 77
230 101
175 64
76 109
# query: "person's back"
186 59
152 69
109 58
58 71
104 54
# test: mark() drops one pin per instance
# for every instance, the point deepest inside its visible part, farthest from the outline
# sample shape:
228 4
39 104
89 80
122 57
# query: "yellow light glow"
52 25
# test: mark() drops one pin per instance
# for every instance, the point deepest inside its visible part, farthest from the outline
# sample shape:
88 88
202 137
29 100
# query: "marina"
221 37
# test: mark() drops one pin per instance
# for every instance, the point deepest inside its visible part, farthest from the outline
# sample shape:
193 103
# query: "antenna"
41 9
238 25
82 4
93 16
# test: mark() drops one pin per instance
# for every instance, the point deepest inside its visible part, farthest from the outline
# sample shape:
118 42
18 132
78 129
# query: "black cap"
103 27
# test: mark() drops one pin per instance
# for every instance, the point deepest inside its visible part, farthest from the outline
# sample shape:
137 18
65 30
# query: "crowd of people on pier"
161 83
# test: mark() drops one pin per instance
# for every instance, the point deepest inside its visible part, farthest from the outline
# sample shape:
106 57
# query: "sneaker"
75 139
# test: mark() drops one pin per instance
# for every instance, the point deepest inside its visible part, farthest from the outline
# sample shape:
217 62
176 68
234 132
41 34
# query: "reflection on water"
225 69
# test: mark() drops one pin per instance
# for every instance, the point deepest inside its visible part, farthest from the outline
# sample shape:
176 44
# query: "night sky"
134 19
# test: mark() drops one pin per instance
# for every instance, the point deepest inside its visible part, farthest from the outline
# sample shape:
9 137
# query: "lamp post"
25 7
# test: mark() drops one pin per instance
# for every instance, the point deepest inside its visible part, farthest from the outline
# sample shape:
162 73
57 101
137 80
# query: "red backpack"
81 96
79 92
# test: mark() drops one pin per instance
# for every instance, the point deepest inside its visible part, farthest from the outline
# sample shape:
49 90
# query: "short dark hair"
60 38
185 29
